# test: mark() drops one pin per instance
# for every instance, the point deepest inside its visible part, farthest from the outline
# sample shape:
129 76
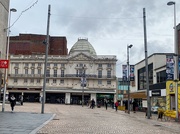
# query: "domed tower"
82 46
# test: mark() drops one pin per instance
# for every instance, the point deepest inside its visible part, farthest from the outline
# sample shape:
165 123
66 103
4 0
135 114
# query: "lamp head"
130 46
13 10
171 3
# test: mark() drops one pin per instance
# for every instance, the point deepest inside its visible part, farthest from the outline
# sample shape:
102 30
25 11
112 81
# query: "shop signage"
156 93
4 63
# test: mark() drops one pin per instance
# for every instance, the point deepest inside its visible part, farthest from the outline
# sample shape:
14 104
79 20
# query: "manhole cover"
55 119
157 125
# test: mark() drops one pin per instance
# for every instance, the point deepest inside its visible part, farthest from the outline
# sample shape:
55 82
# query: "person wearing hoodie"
12 100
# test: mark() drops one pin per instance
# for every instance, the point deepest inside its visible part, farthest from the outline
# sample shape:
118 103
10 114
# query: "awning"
138 95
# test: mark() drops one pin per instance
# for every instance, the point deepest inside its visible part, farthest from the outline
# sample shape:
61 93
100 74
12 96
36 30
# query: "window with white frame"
109 74
26 65
33 64
54 81
39 71
108 82
16 71
99 73
47 80
26 71
32 80
47 73
55 73
62 65
55 64
108 65
62 81
15 80
62 73
16 64
100 65
99 82
32 71
48 64
25 80
39 64
38 80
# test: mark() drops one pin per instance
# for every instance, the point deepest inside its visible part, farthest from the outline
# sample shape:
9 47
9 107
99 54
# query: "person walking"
106 102
116 105
134 106
12 100
92 103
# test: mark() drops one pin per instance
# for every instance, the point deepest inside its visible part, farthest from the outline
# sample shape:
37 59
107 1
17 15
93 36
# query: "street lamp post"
7 56
128 78
176 71
83 84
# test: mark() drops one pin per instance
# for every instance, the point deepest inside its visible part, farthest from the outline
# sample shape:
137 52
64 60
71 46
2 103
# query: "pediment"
81 57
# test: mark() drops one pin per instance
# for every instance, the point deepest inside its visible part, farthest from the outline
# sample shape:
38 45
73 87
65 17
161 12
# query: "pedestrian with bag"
12 100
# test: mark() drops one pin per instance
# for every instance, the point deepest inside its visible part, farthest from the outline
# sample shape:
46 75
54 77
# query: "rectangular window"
55 73
26 65
16 64
99 82
55 64
62 73
15 80
16 71
39 64
25 80
32 80
39 71
62 81
47 73
54 81
32 71
62 65
100 65
109 74
161 76
99 73
33 64
26 71
108 65
48 64
108 82
47 80
38 80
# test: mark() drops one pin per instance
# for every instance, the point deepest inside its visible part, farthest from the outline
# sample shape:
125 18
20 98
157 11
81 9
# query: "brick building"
28 44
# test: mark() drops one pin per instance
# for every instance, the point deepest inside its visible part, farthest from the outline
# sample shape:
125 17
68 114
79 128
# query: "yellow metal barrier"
121 108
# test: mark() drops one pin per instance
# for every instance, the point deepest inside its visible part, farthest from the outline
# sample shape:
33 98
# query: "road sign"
4 63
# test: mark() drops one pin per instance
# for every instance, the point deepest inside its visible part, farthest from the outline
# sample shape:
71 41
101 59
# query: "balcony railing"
61 76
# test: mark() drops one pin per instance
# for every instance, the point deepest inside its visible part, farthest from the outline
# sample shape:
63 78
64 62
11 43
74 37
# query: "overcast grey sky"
109 25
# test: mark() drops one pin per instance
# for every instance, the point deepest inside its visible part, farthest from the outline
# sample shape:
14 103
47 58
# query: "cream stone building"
63 76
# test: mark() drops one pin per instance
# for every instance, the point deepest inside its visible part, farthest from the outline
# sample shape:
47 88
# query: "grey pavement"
73 119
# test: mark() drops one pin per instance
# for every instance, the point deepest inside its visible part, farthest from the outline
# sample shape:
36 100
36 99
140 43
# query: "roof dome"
82 45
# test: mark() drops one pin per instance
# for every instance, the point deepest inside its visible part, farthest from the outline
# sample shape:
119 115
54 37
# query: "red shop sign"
4 63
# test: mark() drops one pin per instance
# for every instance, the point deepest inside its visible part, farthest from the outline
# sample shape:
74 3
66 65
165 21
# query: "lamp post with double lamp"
7 56
176 71
128 78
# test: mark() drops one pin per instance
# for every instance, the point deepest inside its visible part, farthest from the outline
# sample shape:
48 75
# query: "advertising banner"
169 67
124 69
131 72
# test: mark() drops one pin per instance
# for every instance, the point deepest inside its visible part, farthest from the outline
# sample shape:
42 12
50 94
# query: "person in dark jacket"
134 106
92 103
12 100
